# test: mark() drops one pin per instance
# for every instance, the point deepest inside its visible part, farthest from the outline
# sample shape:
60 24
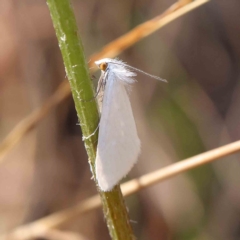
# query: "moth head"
102 64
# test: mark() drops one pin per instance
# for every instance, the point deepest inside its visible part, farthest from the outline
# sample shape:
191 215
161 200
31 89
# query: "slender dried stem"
110 50
57 219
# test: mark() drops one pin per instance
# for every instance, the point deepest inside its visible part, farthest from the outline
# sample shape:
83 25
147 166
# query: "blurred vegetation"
47 171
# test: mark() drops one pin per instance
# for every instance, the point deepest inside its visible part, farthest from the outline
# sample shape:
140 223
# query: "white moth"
118 143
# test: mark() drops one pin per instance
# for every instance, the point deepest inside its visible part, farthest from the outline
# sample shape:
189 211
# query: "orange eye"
103 66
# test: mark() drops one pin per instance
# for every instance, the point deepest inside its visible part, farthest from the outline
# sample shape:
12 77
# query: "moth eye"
103 66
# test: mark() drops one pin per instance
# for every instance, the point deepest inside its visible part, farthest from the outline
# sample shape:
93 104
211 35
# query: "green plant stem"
81 86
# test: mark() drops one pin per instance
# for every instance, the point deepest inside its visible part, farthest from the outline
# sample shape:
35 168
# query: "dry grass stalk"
110 50
57 219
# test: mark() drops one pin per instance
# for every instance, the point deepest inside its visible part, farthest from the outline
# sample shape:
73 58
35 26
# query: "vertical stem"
81 86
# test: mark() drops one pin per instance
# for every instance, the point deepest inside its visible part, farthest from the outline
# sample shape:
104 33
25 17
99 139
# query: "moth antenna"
147 74
138 70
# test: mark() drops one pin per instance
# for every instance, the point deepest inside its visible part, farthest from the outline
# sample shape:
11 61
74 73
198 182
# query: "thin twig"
110 50
29 122
143 30
64 22
57 219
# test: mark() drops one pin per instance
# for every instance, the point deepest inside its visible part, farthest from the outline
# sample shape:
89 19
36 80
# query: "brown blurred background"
199 55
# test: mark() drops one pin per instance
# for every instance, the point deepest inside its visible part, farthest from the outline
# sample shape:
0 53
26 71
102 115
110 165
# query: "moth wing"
118 142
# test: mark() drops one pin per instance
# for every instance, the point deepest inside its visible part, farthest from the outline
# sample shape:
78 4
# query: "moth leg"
85 138
100 89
